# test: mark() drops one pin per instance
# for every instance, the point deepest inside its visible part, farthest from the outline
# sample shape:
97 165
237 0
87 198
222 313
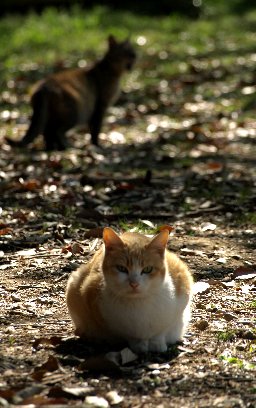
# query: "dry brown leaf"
5 231
30 185
245 272
52 364
215 166
202 324
52 341
76 248
69 392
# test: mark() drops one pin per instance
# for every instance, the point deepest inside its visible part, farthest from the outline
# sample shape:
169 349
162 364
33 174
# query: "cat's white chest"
142 318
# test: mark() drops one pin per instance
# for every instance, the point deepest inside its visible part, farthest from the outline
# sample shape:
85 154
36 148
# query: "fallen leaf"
247 288
95 401
197 252
245 272
114 398
20 215
148 223
52 364
207 226
215 166
127 356
29 185
221 260
202 324
27 393
201 287
43 400
5 231
27 252
69 392
186 349
52 341
76 248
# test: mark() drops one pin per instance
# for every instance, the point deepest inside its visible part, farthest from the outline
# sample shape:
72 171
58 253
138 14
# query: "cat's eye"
122 268
147 269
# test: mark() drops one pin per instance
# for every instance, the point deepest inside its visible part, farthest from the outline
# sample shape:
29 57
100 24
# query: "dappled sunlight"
177 150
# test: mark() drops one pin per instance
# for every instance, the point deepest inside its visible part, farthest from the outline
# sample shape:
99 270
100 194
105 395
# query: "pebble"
95 401
114 398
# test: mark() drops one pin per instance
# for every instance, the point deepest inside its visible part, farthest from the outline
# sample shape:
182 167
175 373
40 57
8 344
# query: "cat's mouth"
135 292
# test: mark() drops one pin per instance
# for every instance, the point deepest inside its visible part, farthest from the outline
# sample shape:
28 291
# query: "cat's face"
134 265
121 55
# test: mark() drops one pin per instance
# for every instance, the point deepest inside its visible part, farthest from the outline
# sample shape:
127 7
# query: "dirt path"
47 230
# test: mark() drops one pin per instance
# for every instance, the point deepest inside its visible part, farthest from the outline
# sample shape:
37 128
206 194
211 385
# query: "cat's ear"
159 242
111 239
111 41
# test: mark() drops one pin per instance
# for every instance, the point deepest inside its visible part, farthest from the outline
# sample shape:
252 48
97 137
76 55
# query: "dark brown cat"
76 97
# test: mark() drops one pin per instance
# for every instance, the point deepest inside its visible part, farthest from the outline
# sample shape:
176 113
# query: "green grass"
238 362
227 335
138 226
43 38
168 47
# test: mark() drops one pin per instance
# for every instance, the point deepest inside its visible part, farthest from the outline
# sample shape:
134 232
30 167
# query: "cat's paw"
139 346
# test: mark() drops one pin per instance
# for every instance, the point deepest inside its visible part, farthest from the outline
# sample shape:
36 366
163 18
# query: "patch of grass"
227 335
238 362
137 227
232 360
253 304
250 217
12 340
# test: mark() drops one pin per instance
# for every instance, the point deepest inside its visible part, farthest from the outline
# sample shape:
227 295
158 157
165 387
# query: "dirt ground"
53 207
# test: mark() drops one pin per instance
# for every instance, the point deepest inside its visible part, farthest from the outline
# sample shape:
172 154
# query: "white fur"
150 319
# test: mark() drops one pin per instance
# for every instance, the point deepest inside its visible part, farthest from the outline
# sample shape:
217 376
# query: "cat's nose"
134 285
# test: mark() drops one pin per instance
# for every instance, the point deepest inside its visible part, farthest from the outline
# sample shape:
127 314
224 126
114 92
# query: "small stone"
226 401
97 402
114 398
15 297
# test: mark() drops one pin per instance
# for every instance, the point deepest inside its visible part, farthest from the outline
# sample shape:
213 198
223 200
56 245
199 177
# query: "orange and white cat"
133 290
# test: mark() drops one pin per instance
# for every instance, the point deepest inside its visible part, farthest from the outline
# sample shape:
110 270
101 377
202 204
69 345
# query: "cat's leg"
138 345
61 140
158 344
50 136
54 137
178 327
95 122
175 332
